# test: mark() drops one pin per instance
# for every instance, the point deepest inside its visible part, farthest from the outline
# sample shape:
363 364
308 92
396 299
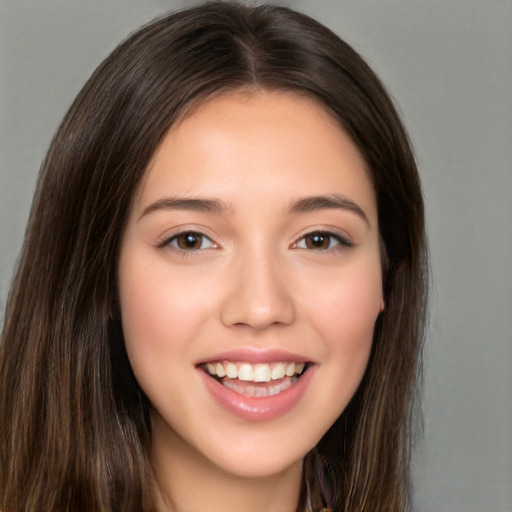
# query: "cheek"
345 316
351 301
160 315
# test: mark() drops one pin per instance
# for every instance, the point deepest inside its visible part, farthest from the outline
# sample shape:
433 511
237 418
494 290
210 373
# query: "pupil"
318 241
189 241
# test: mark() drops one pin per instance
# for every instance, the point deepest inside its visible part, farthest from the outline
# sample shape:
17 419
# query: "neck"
188 482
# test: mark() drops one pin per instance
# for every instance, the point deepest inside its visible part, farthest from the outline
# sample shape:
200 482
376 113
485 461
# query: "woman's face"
252 250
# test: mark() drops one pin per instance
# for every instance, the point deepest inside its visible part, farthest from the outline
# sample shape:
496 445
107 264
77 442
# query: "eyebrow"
302 205
334 201
187 203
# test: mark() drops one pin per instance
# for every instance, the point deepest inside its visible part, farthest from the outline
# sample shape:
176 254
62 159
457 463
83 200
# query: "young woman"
219 304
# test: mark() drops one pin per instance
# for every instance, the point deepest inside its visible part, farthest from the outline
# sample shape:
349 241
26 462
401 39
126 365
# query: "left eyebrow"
334 201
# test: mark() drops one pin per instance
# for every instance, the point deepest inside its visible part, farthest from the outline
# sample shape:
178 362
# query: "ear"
385 266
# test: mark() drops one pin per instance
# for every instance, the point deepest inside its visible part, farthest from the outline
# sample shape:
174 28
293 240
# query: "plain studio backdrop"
448 64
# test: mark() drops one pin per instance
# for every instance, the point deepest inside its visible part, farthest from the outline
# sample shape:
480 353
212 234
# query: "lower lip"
258 408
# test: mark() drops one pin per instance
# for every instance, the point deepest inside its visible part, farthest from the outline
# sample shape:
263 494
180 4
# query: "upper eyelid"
343 241
169 237
187 228
327 230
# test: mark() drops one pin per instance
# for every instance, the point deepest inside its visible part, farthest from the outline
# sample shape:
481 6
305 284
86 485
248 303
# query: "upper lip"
255 355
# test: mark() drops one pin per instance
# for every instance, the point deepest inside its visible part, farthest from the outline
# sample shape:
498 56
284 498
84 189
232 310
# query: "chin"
260 465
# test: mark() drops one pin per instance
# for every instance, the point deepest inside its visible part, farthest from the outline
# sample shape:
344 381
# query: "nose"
259 294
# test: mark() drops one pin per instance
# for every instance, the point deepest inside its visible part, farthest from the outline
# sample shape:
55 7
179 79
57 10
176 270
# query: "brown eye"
190 241
318 241
321 241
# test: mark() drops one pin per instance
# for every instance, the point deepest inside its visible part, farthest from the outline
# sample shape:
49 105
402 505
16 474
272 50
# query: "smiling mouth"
255 380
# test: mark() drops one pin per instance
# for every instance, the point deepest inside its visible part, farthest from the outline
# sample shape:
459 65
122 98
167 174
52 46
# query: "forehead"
240 144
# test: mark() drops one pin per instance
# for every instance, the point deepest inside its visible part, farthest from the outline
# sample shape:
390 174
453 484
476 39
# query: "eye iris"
318 241
189 241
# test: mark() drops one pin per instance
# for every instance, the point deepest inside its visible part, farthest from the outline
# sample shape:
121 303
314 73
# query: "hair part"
75 424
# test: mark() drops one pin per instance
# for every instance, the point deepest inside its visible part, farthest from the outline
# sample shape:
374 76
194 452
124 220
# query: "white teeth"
290 370
245 372
259 392
255 391
262 372
231 371
279 371
219 370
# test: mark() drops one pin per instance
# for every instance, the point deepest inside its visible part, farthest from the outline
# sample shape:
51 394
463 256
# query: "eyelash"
173 241
340 241
320 235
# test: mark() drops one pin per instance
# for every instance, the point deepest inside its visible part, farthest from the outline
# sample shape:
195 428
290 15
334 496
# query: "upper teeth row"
262 372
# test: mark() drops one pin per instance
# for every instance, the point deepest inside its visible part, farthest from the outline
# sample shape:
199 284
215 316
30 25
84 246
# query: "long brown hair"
75 433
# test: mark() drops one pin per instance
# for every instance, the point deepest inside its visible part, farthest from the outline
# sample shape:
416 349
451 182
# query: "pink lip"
257 409
254 355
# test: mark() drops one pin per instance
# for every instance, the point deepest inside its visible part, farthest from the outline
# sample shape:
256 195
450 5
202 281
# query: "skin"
256 281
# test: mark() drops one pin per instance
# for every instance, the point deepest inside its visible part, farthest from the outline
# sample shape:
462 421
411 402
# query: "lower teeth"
258 391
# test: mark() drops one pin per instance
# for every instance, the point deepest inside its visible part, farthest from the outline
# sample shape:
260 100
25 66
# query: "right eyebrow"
197 204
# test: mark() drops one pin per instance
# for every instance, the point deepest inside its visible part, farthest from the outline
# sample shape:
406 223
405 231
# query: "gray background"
449 66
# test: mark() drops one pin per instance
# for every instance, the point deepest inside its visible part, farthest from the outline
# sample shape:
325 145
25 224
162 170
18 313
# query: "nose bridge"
259 295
